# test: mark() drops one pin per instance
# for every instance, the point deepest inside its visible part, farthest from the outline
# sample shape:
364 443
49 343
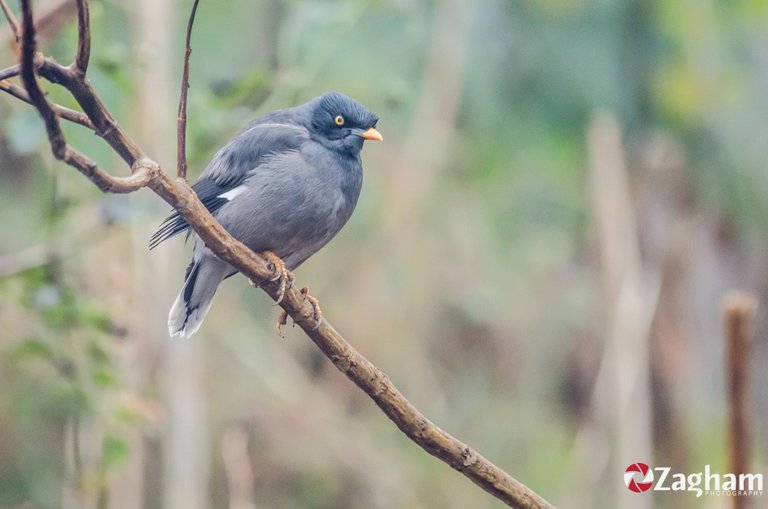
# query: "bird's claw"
316 311
279 273
281 320
286 281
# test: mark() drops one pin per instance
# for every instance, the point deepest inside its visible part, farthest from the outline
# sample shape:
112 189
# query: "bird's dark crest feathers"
335 103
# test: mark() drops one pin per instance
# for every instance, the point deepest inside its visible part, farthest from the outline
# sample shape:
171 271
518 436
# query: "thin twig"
59 147
12 21
83 55
63 112
181 147
36 95
738 320
104 123
9 72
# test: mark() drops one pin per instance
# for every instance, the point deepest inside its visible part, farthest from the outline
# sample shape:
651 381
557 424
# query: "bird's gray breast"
294 203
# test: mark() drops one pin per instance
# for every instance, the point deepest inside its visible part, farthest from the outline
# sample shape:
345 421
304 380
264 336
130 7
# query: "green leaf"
97 318
32 348
115 451
105 378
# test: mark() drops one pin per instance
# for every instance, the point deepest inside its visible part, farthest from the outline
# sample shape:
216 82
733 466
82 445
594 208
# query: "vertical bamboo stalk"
620 403
738 323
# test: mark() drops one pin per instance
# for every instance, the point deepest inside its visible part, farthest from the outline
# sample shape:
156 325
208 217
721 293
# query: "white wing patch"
230 195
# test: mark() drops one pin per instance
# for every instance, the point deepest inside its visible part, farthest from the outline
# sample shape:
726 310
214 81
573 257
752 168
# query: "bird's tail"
195 298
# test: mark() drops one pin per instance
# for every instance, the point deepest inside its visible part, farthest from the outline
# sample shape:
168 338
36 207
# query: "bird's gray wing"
294 204
221 181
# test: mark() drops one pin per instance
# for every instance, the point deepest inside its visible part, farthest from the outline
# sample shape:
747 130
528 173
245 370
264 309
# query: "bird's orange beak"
372 134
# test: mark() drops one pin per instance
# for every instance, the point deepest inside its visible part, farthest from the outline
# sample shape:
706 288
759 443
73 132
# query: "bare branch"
83 55
357 368
59 146
181 147
63 112
413 423
141 176
36 95
104 123
9 72
12 21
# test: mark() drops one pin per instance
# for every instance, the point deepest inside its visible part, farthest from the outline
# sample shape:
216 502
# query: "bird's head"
343 124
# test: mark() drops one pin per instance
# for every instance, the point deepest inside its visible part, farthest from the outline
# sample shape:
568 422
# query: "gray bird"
283 186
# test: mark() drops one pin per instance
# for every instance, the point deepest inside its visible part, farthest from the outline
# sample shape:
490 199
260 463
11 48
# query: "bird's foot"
281 320
279 273
316 311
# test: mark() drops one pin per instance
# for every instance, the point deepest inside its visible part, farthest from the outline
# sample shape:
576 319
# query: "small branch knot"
38 59
378 381
468 457
149 166
343 363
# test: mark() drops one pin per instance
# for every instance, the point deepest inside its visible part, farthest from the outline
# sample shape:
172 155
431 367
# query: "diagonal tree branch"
146 173
59 146
65 113
9 72
378 386
36 95
104 123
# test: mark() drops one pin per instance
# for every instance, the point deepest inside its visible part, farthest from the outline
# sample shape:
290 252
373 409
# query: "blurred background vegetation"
565 191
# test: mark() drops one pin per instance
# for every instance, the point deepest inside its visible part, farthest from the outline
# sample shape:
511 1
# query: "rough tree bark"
146 173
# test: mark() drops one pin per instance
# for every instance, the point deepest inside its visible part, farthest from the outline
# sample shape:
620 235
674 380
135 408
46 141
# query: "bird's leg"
279 272
285 284
318 313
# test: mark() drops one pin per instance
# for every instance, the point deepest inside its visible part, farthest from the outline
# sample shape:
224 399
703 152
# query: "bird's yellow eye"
339 120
